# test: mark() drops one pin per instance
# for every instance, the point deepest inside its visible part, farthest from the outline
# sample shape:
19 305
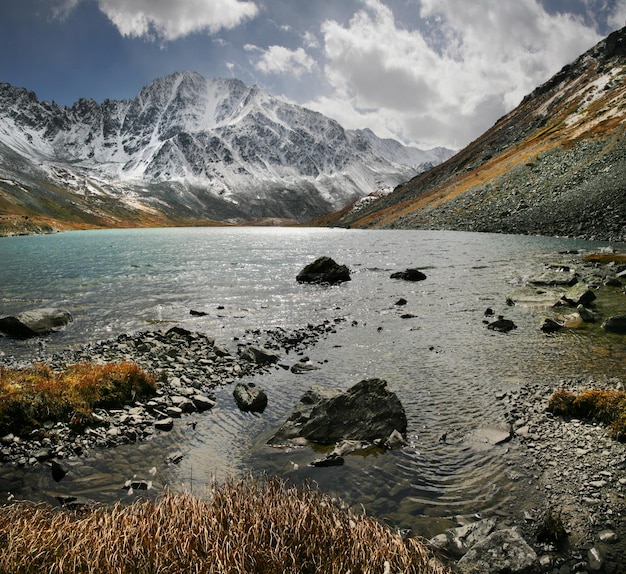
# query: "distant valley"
186 151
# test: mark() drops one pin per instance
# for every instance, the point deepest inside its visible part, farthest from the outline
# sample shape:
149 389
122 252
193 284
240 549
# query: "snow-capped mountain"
193 148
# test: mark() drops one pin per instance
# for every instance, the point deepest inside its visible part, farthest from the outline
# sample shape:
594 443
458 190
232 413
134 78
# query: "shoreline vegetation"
251 525
34 396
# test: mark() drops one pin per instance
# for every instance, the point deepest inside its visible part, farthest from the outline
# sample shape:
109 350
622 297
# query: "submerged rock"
35 323
502 325
555 277
324 270
579 294
549 325
457 541
490 435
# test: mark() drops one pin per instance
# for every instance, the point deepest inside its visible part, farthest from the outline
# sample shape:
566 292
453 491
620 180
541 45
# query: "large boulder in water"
324 270
365 412
35 323
615 324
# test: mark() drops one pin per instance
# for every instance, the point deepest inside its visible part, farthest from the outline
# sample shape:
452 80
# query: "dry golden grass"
605 258
607 407
29 397
244 527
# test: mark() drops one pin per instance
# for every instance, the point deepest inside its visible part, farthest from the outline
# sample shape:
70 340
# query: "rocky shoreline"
189 366
581 474
571 476
572 515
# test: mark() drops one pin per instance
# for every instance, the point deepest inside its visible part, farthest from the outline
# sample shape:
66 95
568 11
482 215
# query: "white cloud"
170 20
61 10
310 41
450 79
617 18
281 60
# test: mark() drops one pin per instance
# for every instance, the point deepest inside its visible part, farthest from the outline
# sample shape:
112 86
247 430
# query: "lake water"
445 366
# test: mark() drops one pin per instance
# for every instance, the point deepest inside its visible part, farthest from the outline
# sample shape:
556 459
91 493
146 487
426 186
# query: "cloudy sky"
426 72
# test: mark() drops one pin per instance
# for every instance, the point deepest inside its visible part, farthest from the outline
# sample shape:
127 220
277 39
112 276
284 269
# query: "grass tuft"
604 406
605 258
260 526
551 529
30 397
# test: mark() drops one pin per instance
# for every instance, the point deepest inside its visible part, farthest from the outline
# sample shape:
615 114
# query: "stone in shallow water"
409 275
250 398
615 324
490 435
166 424
34 323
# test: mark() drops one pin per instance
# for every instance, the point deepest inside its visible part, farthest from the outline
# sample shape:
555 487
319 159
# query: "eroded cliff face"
555 165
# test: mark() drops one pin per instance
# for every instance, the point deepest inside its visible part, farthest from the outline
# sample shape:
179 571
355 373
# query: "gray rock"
532 297
594 559
586 315
260 356
58 471
183 403
457 541
367 411
174 412
501 551
579 294
202 403
615 324
175 457
344 447
554 278
300 368
330 460
166 424
549 325
324 270
35 323
607 536
221 351
250 398
409 275
502 325
395 441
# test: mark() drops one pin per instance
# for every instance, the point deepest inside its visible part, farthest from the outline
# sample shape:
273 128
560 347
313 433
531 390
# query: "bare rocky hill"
555 165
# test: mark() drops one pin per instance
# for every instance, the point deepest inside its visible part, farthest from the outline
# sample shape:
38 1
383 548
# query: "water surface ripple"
443 363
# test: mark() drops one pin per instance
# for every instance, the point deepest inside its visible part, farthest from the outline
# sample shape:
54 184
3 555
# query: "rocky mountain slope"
187 149
555 165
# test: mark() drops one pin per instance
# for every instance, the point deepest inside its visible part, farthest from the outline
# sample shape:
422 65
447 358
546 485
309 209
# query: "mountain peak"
191 147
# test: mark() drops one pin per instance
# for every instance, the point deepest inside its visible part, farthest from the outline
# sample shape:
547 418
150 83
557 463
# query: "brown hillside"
555 165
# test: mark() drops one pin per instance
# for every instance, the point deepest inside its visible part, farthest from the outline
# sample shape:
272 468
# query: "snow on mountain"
194 147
